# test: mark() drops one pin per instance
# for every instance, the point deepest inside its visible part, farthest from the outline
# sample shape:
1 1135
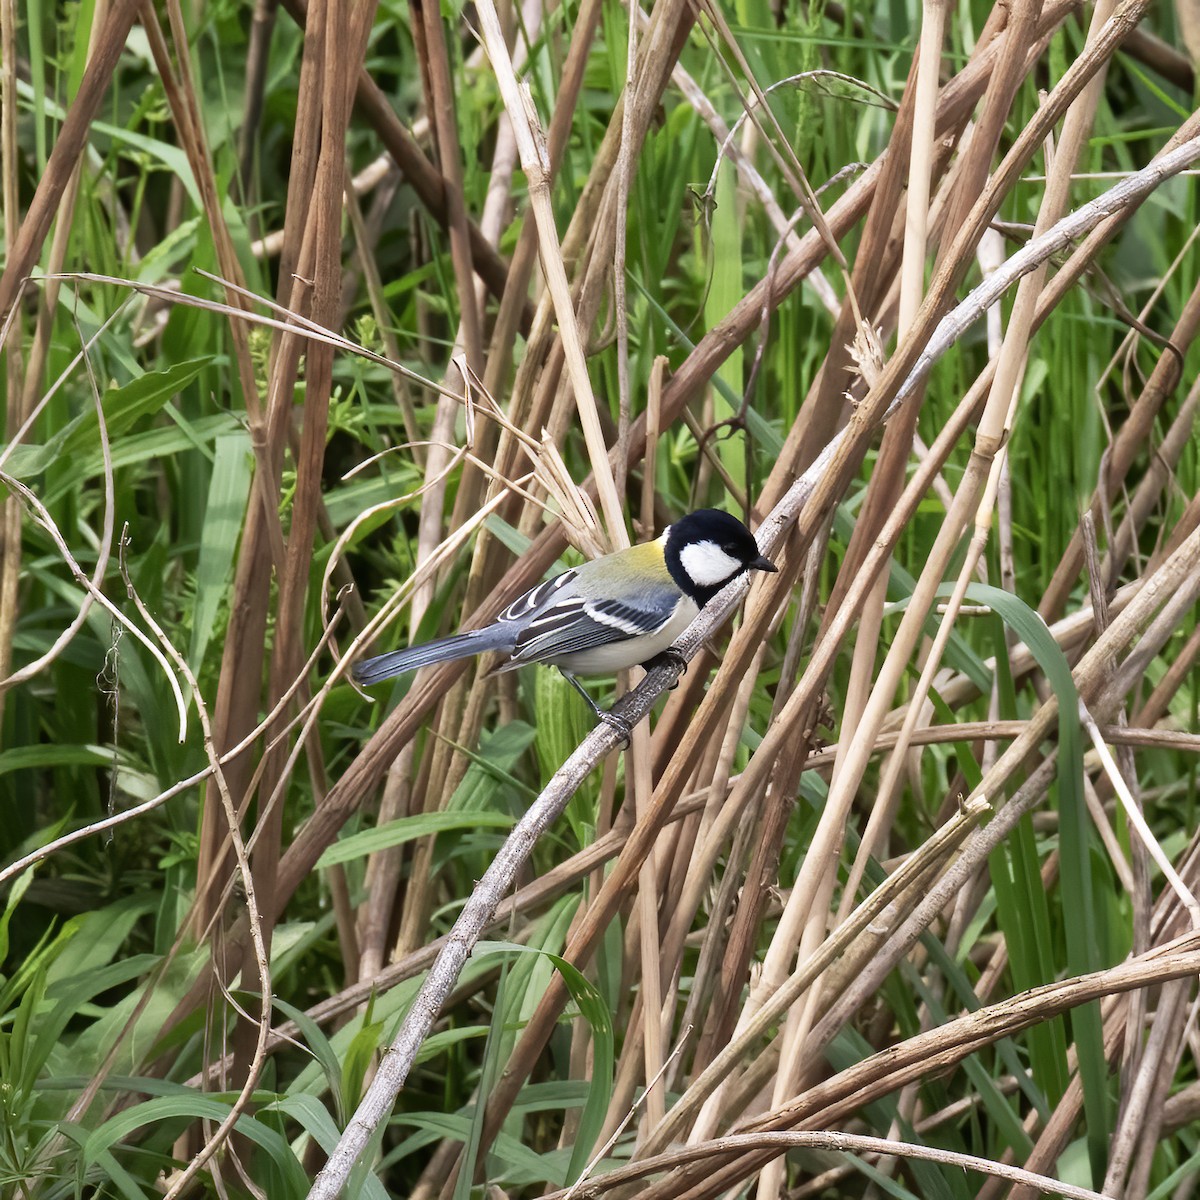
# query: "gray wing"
570 623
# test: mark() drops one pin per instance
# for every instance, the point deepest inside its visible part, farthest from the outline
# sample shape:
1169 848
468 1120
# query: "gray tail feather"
460 645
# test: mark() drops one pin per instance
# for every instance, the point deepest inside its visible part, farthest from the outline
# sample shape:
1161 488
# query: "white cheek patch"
707 564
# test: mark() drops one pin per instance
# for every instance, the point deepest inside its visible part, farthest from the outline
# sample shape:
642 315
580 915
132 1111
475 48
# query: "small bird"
614 612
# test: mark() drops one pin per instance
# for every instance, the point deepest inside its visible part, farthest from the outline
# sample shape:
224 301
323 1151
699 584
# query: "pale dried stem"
652 962
1082 221
718 822
468 340
536 164
802 928
722 829
889 787
435 62
1137 1134
626 163
969 731
916 213
438 465
1055 1133
911 291
1137 820
850 1143
650 461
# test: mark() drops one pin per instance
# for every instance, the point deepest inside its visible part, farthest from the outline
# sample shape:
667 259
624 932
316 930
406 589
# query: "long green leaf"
122 407
228 494
193 1107
408 829
1078 885
596 1013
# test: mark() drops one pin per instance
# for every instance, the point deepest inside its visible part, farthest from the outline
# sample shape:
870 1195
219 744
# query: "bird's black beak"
762 563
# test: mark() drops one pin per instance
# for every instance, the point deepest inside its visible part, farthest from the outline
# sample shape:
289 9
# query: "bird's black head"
708 548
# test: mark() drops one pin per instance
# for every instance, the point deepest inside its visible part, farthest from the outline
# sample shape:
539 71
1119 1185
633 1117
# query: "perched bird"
611 613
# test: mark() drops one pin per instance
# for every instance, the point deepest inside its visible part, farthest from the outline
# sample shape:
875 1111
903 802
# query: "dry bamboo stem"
535 161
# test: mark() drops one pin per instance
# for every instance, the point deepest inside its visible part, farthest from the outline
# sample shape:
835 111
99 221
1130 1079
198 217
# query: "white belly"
616 656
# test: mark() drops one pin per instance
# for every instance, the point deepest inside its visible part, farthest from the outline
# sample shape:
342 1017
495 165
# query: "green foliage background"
97 957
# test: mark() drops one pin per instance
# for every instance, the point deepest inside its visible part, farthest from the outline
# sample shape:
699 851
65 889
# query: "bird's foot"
609 718
670 657
621 725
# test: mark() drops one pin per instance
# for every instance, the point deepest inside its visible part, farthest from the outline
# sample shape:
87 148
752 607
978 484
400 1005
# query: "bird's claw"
619 724
670 657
